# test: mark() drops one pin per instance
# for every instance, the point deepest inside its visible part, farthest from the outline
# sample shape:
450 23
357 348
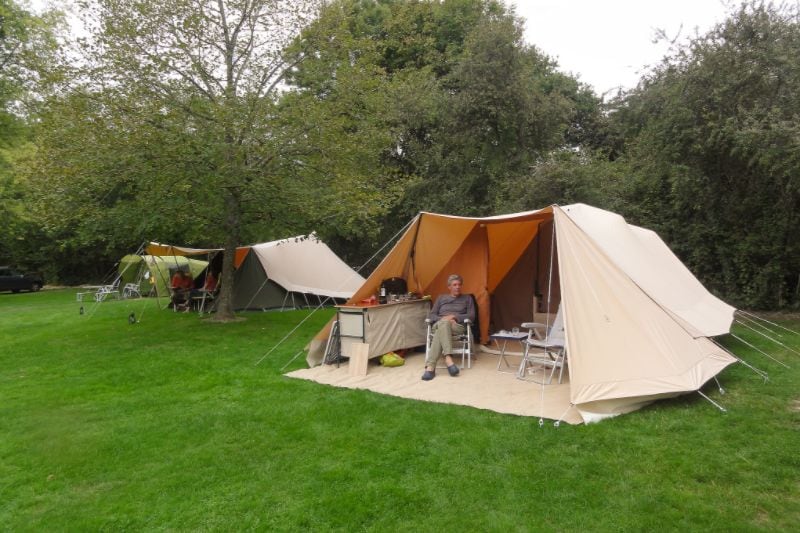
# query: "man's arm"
469 312
434 314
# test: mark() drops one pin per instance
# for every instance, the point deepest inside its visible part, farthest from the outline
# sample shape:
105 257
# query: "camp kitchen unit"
384 327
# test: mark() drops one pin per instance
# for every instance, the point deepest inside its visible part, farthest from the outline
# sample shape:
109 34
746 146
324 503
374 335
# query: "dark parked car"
11 280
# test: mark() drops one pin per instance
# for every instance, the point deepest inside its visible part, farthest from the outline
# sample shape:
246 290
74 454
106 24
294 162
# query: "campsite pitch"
168 423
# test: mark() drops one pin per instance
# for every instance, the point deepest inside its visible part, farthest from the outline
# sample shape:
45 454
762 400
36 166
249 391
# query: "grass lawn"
170 424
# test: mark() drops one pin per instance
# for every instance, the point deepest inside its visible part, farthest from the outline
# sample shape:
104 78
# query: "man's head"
454 283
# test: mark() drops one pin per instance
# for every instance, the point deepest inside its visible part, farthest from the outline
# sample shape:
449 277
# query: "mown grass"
170 424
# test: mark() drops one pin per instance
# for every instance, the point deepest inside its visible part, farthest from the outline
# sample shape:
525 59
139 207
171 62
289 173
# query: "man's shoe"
428 375
453 369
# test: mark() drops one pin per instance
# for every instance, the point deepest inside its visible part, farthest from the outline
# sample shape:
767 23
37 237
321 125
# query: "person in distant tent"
177 280
448 314
181 285
188 282
211 282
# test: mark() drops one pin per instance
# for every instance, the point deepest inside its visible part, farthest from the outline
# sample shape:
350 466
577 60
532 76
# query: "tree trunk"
232 225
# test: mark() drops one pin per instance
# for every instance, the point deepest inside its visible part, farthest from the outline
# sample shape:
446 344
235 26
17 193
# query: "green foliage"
713 135
14 36
175 132
27 49
109 426
565 177
180 126
465 107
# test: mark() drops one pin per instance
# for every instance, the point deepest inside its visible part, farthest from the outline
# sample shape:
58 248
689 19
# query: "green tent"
153 272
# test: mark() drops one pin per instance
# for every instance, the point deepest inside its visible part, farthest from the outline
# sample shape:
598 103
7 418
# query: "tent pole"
203 301
524 364
414 250
719 386
161 278
285 297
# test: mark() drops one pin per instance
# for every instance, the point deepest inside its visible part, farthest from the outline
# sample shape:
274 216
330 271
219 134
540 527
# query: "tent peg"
719 386
715 404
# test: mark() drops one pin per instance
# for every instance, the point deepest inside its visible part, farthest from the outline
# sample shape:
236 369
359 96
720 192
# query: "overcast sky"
607 43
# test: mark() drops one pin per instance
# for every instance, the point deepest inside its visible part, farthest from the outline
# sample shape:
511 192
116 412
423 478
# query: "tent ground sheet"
481 386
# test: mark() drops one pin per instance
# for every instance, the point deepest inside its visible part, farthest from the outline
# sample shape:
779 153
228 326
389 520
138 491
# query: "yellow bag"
392 359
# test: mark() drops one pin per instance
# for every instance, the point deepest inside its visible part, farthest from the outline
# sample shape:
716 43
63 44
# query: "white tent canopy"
644 257
273 273
306 265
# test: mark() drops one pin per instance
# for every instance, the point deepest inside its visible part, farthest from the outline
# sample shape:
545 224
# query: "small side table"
502 338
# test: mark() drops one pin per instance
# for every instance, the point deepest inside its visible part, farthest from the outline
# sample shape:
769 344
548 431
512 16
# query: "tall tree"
189 89
27 48
713 139
472 107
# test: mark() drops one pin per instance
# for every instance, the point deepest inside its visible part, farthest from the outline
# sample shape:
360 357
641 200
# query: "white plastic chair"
131 290
105 290
546 351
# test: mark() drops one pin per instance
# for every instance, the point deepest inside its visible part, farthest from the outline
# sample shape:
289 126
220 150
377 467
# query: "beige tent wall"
652 266
306 265
621 343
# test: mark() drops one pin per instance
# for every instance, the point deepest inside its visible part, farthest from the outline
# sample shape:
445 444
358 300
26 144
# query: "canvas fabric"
265 272
636 320
622 343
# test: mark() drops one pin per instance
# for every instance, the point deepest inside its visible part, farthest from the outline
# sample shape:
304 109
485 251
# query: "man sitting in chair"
449 313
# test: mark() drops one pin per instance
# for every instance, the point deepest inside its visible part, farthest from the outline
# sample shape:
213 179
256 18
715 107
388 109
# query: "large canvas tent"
281 273
285 272
637 322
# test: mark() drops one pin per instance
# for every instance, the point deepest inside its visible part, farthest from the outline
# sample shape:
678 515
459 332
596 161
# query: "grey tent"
294 272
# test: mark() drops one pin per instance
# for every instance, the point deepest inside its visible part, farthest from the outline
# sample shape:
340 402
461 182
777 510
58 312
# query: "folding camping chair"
462 343
546 351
